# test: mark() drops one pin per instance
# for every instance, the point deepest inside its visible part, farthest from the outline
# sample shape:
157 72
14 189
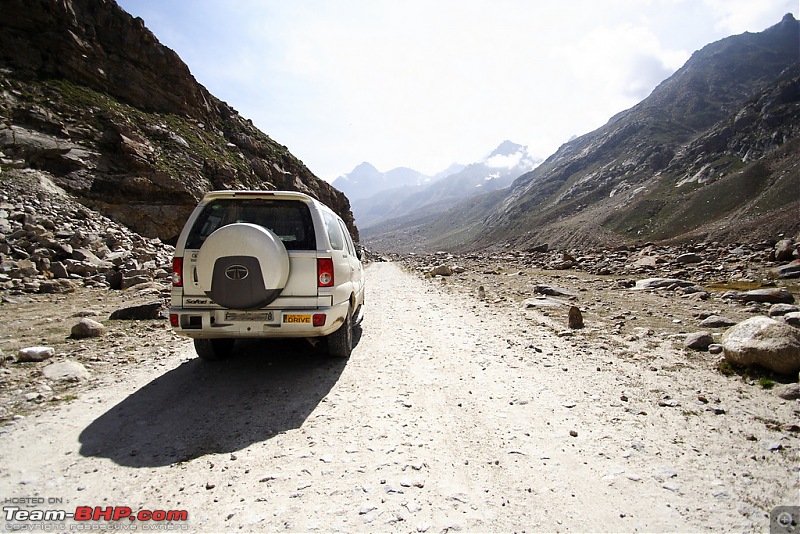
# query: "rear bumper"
205 323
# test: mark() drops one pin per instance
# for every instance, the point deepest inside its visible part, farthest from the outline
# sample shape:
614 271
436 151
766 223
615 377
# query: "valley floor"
452 413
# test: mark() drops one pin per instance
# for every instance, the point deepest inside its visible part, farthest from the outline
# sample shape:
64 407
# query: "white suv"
265 264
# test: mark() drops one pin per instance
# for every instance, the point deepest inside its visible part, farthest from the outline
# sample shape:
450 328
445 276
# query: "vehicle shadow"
199 408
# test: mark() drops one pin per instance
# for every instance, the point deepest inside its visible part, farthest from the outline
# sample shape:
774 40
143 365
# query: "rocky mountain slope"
713 152
496 171
91 98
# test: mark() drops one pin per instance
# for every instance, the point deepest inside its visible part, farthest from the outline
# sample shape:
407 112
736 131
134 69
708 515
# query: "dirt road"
450 415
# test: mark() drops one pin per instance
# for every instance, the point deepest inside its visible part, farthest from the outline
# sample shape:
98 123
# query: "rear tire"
213 349
340 343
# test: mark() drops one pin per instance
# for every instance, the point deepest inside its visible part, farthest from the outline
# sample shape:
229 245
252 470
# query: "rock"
661 283
784 250
539 248
790 270
717 321
59 270
35 354
698 341
782 309
792 319
88 257
763 341
60 285
131 279
88 328
562 265
25 268
769 295
575 317
650 262
689 257
542 302
715 348
481 293
143 312
553 291
664 472
68 371
788 391
441 270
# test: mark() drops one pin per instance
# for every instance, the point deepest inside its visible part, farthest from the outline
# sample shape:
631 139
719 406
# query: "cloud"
738 16
500 161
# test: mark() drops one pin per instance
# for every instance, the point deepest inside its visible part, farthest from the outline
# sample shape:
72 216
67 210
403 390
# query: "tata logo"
236 272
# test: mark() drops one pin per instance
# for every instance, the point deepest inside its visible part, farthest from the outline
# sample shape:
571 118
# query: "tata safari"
265 264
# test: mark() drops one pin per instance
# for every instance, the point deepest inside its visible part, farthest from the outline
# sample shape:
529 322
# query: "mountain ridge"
494 171
733 105
365 180
89 95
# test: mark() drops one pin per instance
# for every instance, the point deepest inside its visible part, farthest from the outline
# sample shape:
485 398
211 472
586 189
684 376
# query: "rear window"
290 220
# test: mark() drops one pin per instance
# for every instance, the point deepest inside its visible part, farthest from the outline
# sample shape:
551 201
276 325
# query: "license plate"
249 316
295 318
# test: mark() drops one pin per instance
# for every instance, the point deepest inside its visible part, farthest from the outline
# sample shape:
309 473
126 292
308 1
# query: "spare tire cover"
242 266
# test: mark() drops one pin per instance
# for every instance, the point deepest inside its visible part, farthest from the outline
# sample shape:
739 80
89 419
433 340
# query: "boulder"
35 354
698 341
544 247
542 302
88 328
792 319
788 391
717 321
575 317
60 285
715 348
784 250
774 295
68 371
661 283
129 280
790 270
441 270
553 291
782 309
143 312
765 342
649 262
59 270
689 257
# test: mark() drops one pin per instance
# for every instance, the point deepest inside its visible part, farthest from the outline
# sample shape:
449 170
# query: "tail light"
177 272
324 272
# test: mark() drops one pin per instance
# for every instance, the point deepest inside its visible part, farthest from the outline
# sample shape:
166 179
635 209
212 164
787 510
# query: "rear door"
290 220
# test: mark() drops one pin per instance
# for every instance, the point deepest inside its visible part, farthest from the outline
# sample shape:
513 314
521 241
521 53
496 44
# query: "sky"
427 83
